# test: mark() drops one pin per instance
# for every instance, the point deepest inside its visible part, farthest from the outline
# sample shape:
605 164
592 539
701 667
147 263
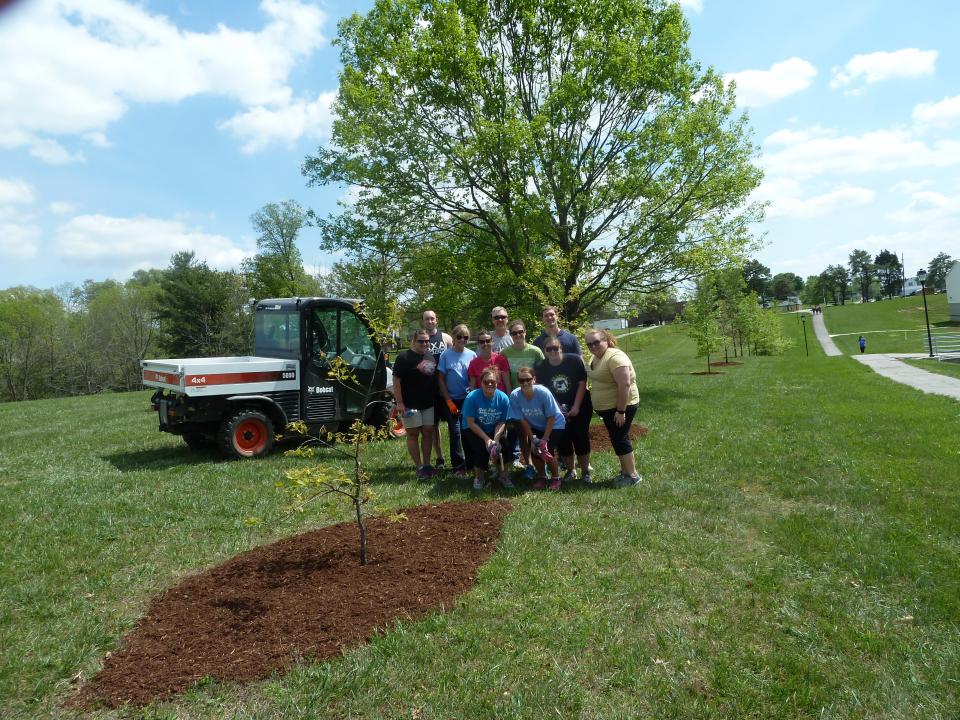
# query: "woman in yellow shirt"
615 398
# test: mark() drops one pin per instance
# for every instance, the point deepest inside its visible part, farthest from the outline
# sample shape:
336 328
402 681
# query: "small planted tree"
327 485
703 323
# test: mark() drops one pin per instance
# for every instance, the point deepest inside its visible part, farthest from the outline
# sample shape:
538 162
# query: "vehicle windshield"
276 334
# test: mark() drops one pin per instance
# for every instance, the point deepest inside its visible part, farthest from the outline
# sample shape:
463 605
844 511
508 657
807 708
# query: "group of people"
514 404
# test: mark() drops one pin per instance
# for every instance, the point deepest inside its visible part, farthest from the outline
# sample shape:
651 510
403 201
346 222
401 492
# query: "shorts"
417 418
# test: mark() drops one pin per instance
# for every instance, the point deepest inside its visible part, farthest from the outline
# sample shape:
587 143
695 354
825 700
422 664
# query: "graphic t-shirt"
478 365
537 409
454 366
499 343
437 345
529 356
486 412
418 379
562 380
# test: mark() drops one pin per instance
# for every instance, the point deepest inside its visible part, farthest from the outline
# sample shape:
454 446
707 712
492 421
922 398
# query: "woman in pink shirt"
485 358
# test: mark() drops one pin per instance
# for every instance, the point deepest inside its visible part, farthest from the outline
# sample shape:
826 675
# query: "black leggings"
619 436
477 448
576 439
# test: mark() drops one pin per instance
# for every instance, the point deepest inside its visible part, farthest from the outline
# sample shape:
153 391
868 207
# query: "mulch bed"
600 438
305 595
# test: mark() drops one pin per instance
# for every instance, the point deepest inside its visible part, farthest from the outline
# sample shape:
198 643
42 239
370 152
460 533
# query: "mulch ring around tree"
600 438
305 595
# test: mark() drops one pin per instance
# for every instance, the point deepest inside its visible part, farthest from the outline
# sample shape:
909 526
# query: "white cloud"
810 154
940 114
284 123
62 208
694 5
786 199
72 67
52 152
127 244
18 240
762 87
879 66
15 191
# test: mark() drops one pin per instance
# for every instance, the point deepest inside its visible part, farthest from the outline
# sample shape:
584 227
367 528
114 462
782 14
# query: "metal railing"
944 345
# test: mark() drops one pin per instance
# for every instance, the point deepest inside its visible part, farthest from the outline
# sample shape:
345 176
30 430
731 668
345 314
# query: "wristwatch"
621 412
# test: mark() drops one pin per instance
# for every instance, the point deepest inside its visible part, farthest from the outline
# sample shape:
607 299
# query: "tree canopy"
574 142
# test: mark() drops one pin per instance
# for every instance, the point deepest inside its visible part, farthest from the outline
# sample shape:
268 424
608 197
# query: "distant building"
953 291
911 286
614 324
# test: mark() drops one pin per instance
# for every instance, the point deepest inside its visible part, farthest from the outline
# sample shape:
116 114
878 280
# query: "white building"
615 324
911 286
953 291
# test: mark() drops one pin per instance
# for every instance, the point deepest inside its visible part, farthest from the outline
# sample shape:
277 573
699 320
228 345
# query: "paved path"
890 366
829 347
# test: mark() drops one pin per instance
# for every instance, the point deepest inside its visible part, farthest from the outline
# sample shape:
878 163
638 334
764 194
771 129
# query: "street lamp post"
922 277
803 319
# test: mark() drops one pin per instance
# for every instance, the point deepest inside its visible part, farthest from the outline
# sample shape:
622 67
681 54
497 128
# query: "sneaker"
461 473
625 481
518 464
529 472
492 472
540 484
440 465
587 477
479 483
507 482
424 472
555 484
569 476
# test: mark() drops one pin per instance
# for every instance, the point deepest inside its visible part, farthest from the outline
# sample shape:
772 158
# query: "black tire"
247 433
199 441
379 414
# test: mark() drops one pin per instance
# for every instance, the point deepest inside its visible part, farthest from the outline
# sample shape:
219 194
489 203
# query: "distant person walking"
862 342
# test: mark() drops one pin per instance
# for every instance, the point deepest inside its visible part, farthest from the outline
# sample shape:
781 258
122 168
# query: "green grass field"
792 553
947 367
889 326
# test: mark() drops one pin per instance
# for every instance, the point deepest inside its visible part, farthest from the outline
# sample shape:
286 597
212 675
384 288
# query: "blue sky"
130 131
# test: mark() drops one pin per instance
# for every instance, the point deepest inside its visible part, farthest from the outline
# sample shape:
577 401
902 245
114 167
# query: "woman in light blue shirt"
538 416
453 384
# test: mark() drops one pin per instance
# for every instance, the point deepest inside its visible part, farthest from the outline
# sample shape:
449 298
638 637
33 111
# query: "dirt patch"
600 438
726 364
305 595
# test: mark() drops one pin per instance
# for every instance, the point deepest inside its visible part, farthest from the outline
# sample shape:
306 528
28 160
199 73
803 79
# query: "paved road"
829 348
890 366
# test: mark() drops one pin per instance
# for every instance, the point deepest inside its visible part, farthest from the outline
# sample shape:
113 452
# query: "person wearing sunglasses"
518 355
485 412
486 357
615 398
541 424
552 330
454 384
439 341
414 390
501 335
566 377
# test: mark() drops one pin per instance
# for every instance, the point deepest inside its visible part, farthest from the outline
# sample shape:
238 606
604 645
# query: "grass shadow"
162 458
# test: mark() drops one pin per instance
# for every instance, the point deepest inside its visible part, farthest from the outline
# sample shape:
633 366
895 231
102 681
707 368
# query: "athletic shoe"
492 472
440 465
555 484
507 482
625 481
518 464
569 476
479 483
587 477
540 484
461 473
424 472
529 472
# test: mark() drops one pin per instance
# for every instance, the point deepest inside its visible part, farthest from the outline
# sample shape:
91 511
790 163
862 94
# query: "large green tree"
758 278
277 268
939 267
576 143
889 272
862 272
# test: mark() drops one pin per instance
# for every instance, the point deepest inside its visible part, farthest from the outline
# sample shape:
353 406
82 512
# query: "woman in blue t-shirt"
485 412
538 416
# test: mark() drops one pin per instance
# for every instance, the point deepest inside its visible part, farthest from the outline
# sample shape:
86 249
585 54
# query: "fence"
945 345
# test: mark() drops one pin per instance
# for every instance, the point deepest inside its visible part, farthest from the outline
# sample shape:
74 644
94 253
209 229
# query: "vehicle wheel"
246 434
199 441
